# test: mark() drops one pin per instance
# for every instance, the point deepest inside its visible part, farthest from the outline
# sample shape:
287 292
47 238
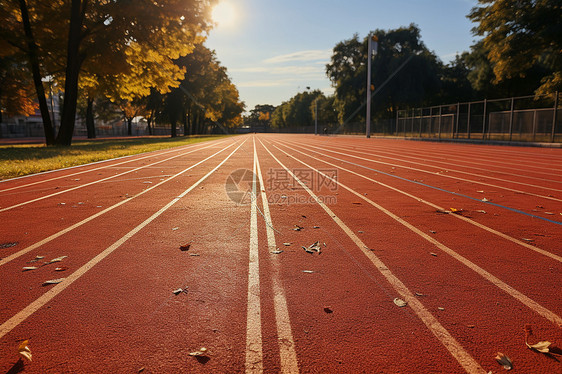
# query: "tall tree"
64 38
521 37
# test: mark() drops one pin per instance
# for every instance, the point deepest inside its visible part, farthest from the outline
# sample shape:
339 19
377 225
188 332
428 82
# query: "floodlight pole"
371 51
316 116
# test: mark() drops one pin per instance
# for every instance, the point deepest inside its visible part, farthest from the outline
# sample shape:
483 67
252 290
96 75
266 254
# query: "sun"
224 14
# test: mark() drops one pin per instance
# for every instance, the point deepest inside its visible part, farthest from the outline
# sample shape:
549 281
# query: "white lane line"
463 218
26 312
94 182
525 300
148 154
375 151
440 175
254 351
30 248
288 355
451 344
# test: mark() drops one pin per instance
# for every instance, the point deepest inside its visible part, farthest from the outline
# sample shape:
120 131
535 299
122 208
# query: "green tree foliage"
131 44
417 83
296 112
523 39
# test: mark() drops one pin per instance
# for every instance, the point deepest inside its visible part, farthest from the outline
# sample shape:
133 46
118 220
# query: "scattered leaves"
399 302
62 268
277 252
28 268
315 227
53 281
504 361
185 247
419 294
481 211
313 248
37 258
433 254
8 245
58 259
298 228
24 351
456 211
178 291
201 352
287 244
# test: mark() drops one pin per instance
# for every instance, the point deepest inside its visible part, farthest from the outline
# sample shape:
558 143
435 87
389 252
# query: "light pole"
371 51
316 116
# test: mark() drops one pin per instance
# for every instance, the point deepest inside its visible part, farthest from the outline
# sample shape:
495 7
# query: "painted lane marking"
525 300
95 182
442 175
288 355
25 250
148 155
25 313
448 341
435 206
375 151
254 350
440 189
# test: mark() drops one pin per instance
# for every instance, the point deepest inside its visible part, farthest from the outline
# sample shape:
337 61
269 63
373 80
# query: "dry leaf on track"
298 228
27 268
399 302
276 252
58 259
504 361
185 247
53 281
201 352
24 351
314 247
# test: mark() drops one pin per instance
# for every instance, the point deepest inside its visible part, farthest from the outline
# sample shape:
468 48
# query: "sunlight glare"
224 14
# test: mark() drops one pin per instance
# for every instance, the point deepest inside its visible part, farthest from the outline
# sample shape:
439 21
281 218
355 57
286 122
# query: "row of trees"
144 56
519 52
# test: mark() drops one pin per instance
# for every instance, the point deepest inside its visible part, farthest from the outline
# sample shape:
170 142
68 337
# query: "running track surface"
467 235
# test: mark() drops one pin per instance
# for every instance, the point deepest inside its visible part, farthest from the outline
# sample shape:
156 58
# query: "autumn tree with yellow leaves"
92 45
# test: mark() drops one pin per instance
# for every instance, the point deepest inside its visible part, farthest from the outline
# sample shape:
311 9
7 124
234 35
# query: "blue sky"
275 49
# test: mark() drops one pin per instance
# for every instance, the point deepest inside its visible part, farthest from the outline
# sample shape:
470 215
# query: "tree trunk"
90 123
73 62
129 125
174 133
33 55
185 124
149 121
189 121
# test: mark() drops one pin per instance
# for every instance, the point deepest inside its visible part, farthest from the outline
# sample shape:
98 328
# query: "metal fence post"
421 121
511 119
430 132
468 123
534 124
440 113
554 118
456 129
484 120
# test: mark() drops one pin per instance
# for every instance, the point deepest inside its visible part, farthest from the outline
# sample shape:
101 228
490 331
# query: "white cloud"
281 70
310 55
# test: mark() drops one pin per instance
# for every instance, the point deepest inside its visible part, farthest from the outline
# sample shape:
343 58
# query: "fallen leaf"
484 200
550 213
287 244
528 240
419 294
433 232
276 252
433 254
328 310
8 245
456 211
27 268
185 247
442 211
58 259
175 228
24 351
540 346
53 281
298 228
481 211
178 291
62 268
37 258
470 326
441 308
504 361
308 271
399 302
480 191
314 247
201 352
315 227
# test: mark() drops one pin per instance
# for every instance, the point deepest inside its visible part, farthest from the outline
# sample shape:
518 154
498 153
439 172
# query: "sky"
274 49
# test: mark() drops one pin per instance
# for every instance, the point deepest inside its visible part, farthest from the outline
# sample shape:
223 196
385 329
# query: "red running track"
382 212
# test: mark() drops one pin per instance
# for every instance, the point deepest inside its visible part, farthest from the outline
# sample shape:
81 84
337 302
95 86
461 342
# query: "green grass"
23 159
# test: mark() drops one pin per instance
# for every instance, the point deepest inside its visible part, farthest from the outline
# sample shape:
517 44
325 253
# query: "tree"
64 38
522 38
16 89
417 83
296 112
